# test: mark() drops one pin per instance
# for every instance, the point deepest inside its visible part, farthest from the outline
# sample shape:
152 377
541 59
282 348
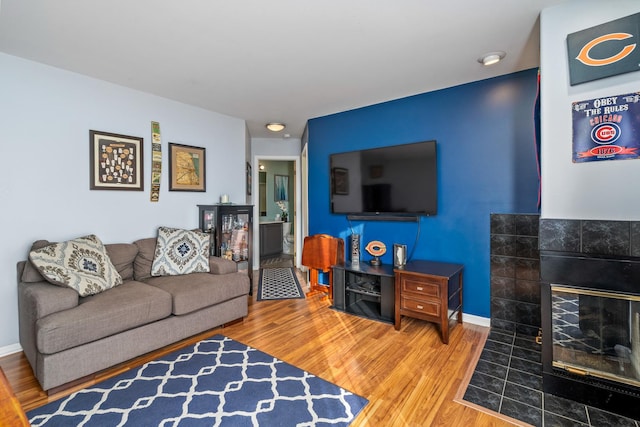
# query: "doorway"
276 204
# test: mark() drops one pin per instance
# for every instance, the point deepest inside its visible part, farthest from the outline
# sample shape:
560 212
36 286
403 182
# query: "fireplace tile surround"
598 262
515 244
593 237
516 241
515 273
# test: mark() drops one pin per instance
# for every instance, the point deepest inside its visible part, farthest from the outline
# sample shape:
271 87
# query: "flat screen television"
398 180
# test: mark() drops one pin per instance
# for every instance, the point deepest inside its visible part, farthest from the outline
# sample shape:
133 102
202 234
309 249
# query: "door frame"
295 216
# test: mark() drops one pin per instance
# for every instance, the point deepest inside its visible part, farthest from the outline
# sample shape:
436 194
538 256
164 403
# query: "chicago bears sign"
604 50
606 128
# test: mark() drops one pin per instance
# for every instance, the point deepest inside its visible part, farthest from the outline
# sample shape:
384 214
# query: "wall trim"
476 320
10 349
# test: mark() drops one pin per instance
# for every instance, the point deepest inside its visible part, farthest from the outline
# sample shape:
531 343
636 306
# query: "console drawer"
429 308
420 286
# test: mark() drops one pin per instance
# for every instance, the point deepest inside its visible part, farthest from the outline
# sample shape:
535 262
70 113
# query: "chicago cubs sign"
604 50
606 128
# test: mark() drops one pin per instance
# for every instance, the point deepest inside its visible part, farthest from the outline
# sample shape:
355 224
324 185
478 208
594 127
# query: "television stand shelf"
364 290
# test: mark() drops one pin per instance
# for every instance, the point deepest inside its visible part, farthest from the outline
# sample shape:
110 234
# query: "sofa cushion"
127 306
198 290
144 259
180 252
30 274
122 256
81 264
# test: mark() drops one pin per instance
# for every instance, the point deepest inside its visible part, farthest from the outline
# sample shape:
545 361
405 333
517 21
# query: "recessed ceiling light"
275 127
491 58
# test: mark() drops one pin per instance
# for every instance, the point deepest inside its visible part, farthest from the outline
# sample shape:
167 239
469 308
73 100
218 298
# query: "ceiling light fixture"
491 58
275 127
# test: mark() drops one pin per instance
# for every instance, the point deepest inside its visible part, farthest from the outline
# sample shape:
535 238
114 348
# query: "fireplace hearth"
590 314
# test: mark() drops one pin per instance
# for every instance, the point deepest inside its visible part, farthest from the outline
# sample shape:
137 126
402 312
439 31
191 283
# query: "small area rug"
278 283
216 382
282 260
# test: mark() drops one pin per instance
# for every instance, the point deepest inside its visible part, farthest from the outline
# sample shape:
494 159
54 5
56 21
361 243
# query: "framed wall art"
340 181
248 179
281 189
116 161
186 168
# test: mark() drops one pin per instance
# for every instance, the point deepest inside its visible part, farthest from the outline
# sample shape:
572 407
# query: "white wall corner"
10 349
476 320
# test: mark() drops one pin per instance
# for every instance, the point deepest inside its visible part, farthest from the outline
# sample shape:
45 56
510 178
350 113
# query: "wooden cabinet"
230 227
271 238
430 291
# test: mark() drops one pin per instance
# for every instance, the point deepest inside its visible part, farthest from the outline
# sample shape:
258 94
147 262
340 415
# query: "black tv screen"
397 180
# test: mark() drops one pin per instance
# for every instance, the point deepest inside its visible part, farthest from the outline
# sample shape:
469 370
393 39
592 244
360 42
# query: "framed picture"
116 161
186 168
281 190
248 179
340 181
376 171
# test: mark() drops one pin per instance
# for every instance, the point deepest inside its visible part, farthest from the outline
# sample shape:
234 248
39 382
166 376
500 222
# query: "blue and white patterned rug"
216 382
278 283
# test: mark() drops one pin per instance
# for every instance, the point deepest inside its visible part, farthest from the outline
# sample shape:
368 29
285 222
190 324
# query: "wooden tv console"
425 290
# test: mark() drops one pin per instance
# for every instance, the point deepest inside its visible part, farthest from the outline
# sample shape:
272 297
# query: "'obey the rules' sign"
606 128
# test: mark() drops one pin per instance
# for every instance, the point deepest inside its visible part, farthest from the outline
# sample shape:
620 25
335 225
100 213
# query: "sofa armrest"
40 299
219 265
36 300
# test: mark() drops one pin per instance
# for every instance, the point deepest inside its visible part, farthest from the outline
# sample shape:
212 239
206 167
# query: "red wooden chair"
319 253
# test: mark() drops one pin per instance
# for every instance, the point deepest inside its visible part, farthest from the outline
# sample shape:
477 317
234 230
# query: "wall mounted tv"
394 181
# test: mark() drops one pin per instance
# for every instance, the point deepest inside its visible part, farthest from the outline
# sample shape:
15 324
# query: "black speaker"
355 249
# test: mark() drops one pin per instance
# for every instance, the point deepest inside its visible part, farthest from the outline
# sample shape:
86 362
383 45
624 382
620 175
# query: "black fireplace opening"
591 330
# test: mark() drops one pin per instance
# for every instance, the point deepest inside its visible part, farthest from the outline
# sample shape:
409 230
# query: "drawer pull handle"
420 307
420 288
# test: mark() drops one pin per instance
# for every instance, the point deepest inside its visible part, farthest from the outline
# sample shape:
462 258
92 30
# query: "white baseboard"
10 349
476 320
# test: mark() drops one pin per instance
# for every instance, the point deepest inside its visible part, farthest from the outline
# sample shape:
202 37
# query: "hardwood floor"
409 376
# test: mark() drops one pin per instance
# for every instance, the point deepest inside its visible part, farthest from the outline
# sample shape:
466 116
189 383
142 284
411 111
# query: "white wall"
594 190
45 118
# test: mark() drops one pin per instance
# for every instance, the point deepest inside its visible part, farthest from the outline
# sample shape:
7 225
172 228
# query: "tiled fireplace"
508 378
590 278
515 273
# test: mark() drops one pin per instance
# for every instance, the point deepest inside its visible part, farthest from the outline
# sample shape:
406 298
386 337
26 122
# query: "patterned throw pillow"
81 264
180 252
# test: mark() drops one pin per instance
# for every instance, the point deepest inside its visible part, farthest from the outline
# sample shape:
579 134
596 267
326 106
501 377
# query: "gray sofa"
66 337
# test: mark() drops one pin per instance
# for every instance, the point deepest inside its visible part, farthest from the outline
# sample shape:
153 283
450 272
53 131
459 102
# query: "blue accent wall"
486 164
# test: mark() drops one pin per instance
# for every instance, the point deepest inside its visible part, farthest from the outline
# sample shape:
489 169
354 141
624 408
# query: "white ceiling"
276 60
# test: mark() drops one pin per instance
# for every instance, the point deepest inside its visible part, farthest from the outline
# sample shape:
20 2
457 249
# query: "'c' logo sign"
586 59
